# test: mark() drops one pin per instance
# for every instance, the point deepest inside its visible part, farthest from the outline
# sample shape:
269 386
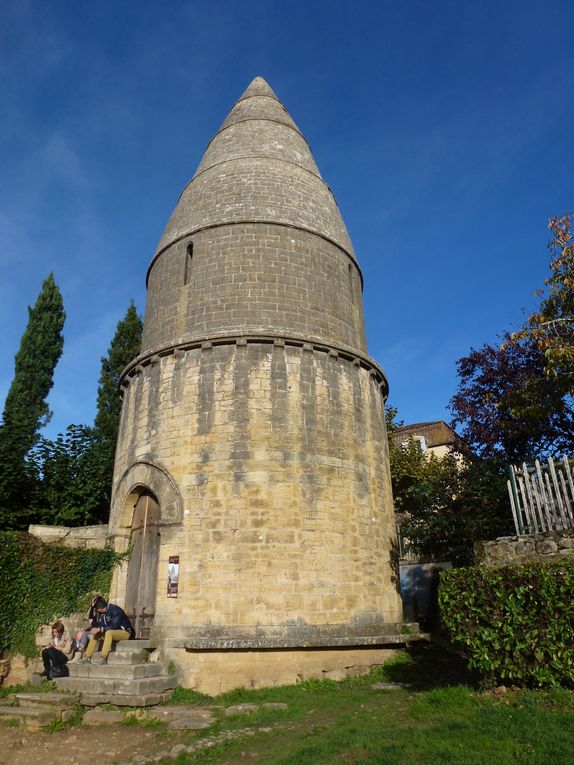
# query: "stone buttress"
254 418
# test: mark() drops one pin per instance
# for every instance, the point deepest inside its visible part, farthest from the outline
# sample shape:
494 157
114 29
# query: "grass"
441 719
46 687
74 719
144 722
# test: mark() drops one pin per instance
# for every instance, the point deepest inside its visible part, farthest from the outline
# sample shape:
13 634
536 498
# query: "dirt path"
80 744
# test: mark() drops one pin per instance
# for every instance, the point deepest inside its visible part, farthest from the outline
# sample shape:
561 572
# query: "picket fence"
542 497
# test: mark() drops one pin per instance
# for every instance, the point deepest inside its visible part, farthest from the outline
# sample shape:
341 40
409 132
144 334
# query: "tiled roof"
436 433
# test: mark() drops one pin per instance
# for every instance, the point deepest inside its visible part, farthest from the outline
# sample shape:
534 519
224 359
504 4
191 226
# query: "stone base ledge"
258 644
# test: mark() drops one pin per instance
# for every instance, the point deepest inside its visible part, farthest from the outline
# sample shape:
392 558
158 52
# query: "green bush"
514 624
40 582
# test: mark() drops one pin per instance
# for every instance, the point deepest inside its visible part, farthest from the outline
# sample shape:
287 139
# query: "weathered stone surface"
21 670
102 717
125 699
241 709
47 699
177 711
94 537
110 686
522 549
190 723
31 716
255 418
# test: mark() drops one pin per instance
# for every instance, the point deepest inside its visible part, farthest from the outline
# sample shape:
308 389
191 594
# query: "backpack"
58 670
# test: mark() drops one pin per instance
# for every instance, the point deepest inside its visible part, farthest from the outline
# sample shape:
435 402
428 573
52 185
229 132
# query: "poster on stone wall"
172 576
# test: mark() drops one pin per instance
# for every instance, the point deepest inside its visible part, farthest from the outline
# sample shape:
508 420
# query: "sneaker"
99 660
76 658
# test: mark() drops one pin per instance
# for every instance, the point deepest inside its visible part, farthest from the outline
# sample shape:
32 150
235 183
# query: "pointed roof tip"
258 87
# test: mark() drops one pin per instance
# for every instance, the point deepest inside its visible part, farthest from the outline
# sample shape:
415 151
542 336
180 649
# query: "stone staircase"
37 710
128 679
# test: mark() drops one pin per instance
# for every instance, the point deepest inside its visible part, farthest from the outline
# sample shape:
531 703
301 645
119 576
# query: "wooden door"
141 585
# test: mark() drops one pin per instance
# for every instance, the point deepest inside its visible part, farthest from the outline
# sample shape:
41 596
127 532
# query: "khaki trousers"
109 637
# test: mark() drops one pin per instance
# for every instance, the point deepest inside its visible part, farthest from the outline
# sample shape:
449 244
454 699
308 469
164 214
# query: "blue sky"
444 129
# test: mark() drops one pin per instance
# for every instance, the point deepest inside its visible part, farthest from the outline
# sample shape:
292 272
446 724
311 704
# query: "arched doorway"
141 584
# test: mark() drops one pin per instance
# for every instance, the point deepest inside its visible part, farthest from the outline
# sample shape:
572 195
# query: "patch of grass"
12 723
143 722
187 696
435 721
46 687
74 719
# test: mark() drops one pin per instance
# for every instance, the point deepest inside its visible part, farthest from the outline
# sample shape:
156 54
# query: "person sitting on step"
56 655
112 625
83 636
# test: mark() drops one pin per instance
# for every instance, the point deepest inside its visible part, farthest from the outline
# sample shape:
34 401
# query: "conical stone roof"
257 168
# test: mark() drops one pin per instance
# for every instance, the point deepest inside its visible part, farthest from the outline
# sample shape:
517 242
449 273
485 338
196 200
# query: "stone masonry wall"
258 278
83 536
548 546
287 518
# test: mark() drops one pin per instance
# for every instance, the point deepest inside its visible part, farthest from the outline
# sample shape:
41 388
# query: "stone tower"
252 450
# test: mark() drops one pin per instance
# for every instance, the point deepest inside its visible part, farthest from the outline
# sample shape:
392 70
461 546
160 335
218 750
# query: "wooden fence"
542 497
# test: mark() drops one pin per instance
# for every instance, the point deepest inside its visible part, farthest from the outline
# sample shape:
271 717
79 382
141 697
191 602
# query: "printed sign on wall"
172 576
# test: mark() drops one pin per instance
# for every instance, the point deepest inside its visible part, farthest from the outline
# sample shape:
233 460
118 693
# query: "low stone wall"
82 536
215 672
504 551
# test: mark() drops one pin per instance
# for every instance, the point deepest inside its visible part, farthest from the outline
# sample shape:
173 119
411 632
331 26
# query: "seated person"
112 625
83 636
58 652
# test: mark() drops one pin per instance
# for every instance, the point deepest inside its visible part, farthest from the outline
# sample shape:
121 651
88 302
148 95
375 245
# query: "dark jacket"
114 618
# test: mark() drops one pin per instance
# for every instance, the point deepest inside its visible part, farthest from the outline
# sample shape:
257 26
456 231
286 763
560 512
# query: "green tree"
26 410
74 472
444 505
507 406
125 346
552 325
69 489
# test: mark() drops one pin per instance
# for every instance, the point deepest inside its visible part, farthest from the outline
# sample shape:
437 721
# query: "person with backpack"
112 625
56 655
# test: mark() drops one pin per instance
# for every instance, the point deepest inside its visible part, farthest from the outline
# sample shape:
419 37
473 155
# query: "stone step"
43 700
128 657
33 717
117 671
183 711
125 699
127 646
135 686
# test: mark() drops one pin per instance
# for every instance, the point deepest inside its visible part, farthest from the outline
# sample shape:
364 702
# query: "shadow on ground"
433 665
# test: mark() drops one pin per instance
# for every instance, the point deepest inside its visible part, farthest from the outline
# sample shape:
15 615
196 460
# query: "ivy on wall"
40 583
515 624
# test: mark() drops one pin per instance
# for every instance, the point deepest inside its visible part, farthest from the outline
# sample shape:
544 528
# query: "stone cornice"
356 357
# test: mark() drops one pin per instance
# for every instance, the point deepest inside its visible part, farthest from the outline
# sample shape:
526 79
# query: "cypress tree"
125 346
26 410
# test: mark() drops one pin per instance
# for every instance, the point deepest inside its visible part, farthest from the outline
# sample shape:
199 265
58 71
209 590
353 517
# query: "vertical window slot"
188 262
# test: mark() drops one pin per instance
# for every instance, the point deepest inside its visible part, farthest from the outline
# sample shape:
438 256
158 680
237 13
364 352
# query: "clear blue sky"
445 130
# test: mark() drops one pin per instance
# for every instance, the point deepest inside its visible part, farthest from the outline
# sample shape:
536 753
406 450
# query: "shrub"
40 582
514 624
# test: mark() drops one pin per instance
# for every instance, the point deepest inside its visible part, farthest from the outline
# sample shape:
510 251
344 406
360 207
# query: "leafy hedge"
40 582
515 624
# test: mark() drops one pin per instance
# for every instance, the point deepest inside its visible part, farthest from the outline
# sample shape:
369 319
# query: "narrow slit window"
188 262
